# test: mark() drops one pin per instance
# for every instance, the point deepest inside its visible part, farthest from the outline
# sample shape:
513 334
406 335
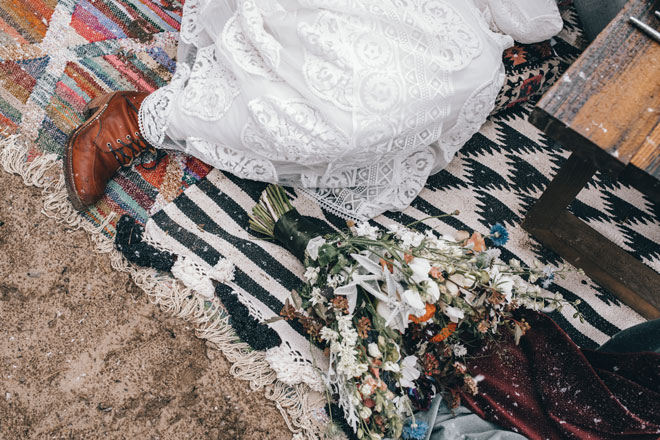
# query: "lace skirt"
355 101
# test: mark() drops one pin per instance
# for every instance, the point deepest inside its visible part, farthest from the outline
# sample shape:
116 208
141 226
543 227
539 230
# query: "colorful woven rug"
55 55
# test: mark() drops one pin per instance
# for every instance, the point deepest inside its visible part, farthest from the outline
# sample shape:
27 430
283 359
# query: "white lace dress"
355 101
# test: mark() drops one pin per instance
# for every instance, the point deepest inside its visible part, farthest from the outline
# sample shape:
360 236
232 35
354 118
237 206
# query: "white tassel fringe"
298 406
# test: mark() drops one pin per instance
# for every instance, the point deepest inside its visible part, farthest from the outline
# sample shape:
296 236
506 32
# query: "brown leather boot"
108 140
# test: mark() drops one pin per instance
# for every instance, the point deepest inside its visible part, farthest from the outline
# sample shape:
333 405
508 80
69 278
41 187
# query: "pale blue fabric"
461 425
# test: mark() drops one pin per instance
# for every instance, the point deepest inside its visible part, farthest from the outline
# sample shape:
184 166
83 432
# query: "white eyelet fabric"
355 101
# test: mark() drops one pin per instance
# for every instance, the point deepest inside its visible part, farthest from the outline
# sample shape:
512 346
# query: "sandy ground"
83 354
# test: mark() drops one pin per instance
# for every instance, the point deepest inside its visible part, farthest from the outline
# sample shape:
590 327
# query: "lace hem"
472 116
157 108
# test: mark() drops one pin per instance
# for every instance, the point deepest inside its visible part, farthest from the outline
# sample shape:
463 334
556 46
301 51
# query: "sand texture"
83 354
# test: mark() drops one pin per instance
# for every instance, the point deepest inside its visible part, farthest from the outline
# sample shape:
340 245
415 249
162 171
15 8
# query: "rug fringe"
296 403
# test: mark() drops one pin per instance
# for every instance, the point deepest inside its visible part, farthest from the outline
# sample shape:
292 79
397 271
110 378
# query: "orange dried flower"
311 326
496 298
478 242
430 311
340 303
483 326
408 257
436 273
363 327
288 312
387 264
445 332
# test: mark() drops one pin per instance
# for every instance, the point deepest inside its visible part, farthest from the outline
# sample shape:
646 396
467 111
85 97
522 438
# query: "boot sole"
95 108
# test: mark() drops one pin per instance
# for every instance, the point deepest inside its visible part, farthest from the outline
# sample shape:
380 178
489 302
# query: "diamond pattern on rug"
59 55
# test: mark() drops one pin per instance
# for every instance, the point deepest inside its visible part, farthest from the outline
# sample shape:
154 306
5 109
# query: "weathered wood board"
606 107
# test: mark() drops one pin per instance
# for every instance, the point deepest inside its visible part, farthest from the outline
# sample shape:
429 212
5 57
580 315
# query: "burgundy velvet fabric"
548 388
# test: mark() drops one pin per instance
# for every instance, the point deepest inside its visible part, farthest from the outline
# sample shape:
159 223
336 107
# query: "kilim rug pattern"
57 55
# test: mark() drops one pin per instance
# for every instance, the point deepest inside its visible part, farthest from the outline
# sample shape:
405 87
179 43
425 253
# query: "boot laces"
133 147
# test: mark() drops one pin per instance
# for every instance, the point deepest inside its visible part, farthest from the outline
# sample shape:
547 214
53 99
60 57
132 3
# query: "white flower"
452 288
469 296
384 310
336 280
467 281
345 323
410 239
413 299
391 366
365 412
393 228
366 389
420 268
454 313
459 350
317 297
364 229
491 255
409 371
374 352
313 247
329 335
503 283
402 404
312 274
348 364
432 291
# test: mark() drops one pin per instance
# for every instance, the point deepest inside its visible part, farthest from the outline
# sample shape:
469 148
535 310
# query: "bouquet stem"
275 217
273 204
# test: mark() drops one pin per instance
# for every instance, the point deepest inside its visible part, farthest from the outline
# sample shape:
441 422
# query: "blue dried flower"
414 431
549 273
499 234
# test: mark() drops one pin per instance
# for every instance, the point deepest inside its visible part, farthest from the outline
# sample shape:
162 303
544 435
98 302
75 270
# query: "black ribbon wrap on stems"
294 231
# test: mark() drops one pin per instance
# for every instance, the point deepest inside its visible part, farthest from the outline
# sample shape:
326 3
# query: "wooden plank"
567 183
648 156
604 262
577 143
610 97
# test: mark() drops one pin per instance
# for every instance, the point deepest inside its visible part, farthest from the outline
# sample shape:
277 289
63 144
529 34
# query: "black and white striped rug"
496 177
